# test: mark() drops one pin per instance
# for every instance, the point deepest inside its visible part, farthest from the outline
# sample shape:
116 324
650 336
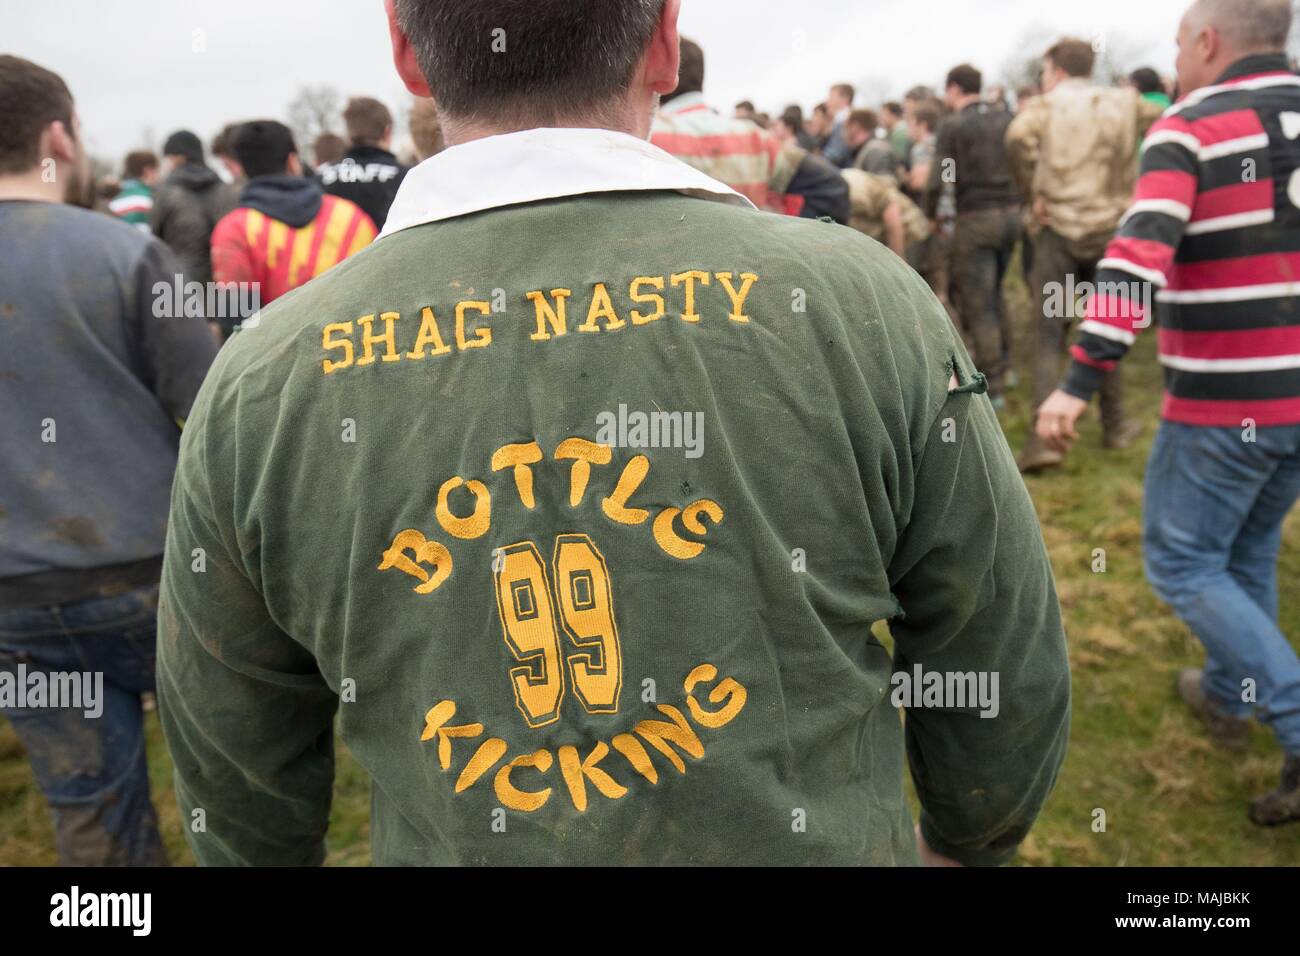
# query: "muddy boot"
1283 804
1229 732
1118 431
1121 436
1036 456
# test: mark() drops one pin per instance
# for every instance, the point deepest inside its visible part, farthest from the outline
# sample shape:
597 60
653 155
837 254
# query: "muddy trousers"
73 676
983 244
1060 268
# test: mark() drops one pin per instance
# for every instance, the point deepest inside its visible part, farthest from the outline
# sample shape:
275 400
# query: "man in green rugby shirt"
575 497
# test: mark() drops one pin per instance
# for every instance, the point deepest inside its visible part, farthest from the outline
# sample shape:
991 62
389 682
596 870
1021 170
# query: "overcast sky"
147 67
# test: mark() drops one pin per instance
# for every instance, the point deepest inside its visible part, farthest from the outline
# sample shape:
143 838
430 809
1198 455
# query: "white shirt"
537 164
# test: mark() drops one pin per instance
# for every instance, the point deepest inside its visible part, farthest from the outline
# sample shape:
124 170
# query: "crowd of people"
891 173
266 217
880 171
1110 194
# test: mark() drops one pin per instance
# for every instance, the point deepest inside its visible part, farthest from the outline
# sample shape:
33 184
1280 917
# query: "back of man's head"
426 128
966 78
1073 57
845 92
138 163
263 148
1146 80
864 120
31 98
503 60
328 148
690 75
184 144
223 144
927 113
1246 26
368 121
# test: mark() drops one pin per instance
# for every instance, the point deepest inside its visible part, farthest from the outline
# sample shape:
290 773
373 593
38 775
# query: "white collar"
538 164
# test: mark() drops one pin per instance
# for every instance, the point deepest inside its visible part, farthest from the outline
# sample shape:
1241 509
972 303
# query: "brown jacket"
1076 150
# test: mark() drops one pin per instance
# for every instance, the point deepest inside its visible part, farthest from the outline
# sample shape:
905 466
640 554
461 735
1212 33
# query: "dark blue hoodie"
293 200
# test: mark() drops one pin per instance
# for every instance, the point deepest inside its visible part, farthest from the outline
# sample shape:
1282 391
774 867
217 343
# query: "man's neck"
459 134
1230 59
31 186
627 117
968 100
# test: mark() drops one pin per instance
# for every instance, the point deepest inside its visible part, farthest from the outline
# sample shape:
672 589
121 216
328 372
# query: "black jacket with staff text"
366 175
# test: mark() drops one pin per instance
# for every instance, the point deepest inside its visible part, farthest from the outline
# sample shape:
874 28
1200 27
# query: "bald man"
1215 226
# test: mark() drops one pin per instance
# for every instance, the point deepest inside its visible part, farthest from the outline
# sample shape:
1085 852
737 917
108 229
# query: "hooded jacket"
284 232
186 207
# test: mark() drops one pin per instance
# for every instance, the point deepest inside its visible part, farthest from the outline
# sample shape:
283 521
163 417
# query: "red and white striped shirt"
1215 227
732 151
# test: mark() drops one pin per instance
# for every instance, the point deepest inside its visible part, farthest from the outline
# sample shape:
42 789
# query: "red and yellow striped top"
250 246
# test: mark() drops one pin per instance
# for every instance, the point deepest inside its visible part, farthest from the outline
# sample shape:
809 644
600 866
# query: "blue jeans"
1212 530
92 768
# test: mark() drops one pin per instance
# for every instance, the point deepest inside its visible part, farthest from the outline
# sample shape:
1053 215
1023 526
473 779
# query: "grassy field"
1169 797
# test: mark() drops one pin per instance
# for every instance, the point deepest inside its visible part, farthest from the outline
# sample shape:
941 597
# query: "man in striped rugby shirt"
1215 226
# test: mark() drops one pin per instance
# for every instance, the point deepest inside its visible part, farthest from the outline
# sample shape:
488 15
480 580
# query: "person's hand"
1056 420
1040 211
928 856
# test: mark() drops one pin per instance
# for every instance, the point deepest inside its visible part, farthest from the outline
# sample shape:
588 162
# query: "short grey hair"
1247 24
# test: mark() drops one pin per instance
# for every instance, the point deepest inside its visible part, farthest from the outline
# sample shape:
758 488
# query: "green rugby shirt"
574 498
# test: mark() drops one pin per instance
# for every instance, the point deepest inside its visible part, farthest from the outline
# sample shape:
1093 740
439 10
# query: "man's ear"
664 58
294 165
1209 43
404 57
57 143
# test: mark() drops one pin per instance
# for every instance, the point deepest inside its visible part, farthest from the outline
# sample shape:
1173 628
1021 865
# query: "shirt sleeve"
1023 137
943 148
175 351
247 715
979 603
232 259
1138 259
836 150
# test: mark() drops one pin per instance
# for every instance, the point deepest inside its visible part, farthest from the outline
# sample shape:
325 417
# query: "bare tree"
1117 56
1025 67
871 92
313 111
